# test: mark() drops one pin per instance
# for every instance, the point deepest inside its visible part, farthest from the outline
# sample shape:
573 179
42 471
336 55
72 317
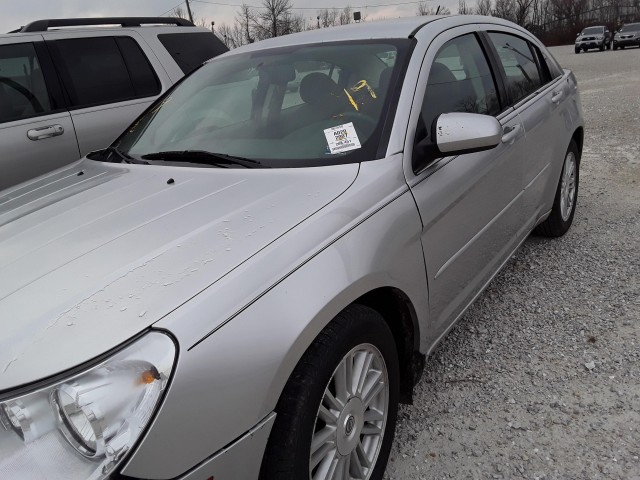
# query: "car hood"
95 253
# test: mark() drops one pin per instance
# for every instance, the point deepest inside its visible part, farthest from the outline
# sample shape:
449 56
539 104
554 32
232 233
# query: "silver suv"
68 88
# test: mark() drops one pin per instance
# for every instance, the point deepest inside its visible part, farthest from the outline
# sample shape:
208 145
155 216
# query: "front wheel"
336 416
564 204
577 50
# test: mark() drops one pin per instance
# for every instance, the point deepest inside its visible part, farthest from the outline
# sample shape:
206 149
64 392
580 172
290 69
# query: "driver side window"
460 80
23 93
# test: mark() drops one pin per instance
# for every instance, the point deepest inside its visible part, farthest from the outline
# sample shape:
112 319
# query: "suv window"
102 70
23 93
190 50
523 77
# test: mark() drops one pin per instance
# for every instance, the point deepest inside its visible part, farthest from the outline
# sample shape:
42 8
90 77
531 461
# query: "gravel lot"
541 378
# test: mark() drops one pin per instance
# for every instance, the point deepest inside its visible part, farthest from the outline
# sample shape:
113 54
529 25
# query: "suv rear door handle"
45 132
510 133
556 96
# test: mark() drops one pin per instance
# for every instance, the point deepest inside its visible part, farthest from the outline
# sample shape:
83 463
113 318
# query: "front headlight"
81 428
599 37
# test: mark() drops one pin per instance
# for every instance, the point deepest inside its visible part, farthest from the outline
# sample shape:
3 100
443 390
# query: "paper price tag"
342 138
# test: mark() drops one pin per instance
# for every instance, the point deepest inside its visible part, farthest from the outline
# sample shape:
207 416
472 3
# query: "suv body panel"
78 131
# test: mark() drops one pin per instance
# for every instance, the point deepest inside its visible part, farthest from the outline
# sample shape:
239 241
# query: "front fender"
228 382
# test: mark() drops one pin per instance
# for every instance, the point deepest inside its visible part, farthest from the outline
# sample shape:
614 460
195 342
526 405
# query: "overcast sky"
15 13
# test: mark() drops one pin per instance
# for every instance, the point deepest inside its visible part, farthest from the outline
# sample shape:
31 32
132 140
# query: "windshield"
632 27
592 30
299 106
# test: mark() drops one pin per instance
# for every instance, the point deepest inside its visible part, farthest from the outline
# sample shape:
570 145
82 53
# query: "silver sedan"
247 282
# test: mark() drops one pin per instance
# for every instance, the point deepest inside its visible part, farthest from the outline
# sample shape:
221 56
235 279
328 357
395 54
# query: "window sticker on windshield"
342 138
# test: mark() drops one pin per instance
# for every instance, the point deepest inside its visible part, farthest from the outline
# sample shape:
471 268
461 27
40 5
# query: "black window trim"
61 73
51 80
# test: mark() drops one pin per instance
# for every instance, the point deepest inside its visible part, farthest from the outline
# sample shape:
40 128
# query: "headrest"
318 89
440 73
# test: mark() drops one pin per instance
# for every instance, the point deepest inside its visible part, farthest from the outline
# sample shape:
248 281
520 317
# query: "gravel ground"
541 377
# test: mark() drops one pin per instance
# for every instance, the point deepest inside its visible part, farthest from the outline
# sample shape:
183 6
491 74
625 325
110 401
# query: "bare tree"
483 7
180 12
522 11
504 9
232 36
424 9
245 20
328 17
274 13
463 8
291 23
346 16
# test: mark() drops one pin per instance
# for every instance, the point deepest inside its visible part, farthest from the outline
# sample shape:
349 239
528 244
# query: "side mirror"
458 133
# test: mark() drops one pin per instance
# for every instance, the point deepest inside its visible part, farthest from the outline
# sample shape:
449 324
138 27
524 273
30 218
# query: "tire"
601 47
577 50
615 47
564 203
307 409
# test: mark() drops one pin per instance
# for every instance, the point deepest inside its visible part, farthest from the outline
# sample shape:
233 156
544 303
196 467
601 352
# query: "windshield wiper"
203 157
123 157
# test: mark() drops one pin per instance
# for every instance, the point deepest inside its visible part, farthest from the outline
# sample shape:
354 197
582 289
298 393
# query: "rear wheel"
337 414
564 204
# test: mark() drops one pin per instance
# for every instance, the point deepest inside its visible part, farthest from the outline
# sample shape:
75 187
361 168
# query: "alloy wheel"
351 420
568 187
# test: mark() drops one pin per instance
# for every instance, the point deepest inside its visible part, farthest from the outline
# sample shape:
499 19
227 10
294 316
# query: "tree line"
557 22
553 21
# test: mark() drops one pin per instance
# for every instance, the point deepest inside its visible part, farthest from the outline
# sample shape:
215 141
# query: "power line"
313 8
171 9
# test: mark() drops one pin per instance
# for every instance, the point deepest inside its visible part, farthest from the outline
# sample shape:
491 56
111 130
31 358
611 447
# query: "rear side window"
101 70
190 50
23 93
523 77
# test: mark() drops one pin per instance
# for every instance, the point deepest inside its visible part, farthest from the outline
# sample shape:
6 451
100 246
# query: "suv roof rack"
44 25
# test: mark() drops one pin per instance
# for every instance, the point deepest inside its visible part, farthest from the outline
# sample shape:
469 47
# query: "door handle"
45 132
556 96
510 134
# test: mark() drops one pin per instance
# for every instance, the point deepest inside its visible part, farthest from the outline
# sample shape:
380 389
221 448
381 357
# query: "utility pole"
189 10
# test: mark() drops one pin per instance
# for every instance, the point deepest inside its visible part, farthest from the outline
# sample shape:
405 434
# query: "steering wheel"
25 93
